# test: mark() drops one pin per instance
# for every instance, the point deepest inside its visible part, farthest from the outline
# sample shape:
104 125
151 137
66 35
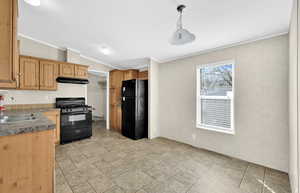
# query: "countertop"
40 124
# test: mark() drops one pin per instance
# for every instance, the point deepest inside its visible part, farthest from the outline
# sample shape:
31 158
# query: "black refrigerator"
135 109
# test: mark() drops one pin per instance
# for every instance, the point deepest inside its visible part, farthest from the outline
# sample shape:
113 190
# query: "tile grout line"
244 175
65 178
263 186
91 186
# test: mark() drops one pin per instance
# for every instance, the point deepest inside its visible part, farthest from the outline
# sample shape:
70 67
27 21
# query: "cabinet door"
55 117
81 71
48 75
112 116
27 163
130 74
8 44
116 78
67 70
143 75
29 73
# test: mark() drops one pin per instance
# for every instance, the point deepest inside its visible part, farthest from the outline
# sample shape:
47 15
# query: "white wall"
45 97
153 102
39 49
293 96
97 95
30 47
261 102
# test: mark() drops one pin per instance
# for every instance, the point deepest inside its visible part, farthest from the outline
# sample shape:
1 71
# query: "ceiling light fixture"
105 50
33 2
181 36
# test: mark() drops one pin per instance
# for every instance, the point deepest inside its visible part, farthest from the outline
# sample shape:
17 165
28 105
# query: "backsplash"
13 97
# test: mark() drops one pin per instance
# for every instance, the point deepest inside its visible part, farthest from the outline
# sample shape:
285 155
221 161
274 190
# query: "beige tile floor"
111 163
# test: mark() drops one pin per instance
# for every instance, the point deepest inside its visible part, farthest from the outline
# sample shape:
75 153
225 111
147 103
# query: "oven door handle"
75 113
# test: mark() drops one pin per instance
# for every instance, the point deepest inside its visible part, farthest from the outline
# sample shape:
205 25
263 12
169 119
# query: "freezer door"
129 88
128 116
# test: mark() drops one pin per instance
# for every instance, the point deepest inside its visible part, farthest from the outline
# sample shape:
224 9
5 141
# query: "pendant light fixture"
181 36
33 2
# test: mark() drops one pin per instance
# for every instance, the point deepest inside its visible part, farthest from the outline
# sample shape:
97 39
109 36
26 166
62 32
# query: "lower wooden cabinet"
116 117
48 75
29 73
55 117
27 163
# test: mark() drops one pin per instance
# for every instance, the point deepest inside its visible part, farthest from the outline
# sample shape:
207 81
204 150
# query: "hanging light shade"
181 36
33 2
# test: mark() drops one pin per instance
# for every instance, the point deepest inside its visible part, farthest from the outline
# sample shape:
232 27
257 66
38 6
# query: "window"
215 96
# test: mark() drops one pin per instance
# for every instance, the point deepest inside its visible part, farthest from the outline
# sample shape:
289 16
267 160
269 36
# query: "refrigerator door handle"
124 88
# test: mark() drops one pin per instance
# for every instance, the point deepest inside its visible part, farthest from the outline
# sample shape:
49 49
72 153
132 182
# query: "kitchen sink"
17 118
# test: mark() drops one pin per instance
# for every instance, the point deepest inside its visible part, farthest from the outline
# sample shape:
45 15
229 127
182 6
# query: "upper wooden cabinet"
41 74
29 73
67 70
81 71
48 75
143 75
130 74
8 44
115 78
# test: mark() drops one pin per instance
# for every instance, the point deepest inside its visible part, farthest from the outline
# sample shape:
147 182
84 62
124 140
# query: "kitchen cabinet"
29 73
81 71
48 75
67 70
54 116
41 74
143 75
8 44
27 163
115 80
130 74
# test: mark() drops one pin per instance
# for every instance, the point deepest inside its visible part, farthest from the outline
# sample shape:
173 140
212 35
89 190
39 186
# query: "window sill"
219 130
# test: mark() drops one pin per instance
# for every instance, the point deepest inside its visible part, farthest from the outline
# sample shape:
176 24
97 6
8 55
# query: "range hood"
72 80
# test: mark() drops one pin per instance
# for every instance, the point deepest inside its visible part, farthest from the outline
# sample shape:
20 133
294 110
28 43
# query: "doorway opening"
98 96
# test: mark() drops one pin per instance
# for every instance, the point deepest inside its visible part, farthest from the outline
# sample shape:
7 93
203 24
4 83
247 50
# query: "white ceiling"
139 29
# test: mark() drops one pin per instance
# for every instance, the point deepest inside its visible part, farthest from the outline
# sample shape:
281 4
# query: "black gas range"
76 119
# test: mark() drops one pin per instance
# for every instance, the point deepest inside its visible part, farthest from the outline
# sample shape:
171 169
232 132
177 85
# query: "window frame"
199 97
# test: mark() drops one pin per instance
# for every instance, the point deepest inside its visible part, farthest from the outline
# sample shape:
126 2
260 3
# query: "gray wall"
293 94
261 103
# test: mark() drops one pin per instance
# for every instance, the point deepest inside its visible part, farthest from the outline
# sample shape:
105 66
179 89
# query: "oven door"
75 126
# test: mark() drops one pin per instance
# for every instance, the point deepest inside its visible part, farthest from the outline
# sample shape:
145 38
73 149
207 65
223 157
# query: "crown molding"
73 50
220 48
65 49
41 42
98 61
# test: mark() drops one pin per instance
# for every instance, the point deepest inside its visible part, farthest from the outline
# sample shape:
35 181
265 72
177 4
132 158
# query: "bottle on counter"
2 107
